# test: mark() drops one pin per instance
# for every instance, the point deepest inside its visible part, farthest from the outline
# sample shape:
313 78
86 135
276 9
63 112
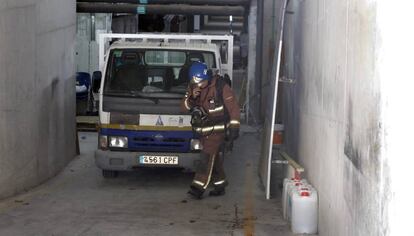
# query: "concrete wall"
37 95
333 111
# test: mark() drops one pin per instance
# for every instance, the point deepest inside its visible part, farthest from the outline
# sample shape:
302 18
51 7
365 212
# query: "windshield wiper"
121 94
132 94
159 95
118 94
154 96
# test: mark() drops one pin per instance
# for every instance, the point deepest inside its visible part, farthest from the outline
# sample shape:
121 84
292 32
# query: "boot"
195 193
217 191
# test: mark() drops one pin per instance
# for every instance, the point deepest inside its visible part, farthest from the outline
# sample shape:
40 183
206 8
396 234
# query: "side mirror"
96 81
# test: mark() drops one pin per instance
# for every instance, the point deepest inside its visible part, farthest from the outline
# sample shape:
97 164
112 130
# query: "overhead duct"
225 19
192 2
178 9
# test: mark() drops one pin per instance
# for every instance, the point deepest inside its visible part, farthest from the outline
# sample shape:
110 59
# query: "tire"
109 174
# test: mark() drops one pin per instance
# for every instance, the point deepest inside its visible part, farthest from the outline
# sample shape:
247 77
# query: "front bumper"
128 161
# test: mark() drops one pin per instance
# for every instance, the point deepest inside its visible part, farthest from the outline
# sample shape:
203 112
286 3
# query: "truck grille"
161 141
147 139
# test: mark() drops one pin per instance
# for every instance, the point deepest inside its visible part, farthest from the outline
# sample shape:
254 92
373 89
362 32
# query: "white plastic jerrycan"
288 184
304 210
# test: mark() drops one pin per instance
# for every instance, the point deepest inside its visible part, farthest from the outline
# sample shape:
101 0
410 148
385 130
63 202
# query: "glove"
197 116
233 134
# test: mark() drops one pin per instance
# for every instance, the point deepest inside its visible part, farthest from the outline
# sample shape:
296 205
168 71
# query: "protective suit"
215 118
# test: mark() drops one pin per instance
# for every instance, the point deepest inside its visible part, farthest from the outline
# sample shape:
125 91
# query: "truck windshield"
151 72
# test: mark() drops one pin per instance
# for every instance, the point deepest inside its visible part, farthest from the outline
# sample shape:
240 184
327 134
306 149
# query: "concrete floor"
147 202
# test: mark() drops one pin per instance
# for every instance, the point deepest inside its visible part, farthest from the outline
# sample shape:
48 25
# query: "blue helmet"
198 72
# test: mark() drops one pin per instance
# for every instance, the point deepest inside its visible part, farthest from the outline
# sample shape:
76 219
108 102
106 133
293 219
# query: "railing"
295 170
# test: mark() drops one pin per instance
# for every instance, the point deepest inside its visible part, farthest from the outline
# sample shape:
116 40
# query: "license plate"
158 160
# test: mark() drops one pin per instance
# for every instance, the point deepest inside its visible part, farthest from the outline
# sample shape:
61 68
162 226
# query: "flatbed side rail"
87 123
295 170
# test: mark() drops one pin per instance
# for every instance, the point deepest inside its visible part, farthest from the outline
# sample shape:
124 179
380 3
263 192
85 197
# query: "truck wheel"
109 174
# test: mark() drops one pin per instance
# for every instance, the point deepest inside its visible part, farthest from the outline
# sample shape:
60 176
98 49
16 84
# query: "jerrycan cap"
298 183
305 193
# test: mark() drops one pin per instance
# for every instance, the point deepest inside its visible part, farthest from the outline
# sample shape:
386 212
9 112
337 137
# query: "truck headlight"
103 142
195 144
118 142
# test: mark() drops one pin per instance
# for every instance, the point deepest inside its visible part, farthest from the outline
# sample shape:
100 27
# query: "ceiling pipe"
192 2
225 19
177 9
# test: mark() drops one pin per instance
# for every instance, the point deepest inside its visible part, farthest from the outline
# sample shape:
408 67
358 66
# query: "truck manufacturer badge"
159 122
180 121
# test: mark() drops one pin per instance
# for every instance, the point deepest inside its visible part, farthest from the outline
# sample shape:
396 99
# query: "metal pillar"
252 61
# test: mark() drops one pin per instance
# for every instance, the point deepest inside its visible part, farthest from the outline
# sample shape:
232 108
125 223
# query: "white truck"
141 82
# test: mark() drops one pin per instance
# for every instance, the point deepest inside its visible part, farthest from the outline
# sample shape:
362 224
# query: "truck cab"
141 85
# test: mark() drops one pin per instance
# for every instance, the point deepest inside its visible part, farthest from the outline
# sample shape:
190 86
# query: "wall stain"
350 150
362 148
54 86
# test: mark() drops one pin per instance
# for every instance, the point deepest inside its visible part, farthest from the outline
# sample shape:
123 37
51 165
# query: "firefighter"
216 119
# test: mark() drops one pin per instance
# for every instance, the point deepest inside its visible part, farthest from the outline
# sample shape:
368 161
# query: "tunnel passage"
343 98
